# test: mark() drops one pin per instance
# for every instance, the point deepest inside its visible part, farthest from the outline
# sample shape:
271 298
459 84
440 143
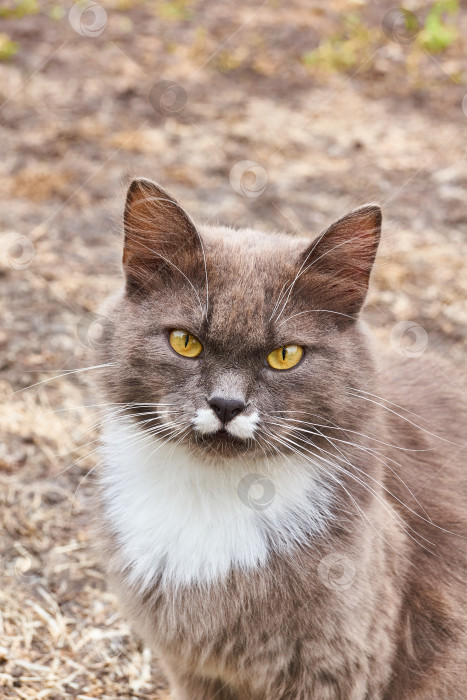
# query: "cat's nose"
226 409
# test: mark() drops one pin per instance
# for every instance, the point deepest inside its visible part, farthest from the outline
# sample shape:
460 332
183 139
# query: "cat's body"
343 579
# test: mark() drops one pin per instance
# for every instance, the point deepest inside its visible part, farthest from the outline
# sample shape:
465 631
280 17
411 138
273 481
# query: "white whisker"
365 398
65 374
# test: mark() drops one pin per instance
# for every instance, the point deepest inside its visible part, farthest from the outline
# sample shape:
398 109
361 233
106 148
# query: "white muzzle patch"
242 427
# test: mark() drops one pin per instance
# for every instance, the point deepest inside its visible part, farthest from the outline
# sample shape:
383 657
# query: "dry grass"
71 132
61 633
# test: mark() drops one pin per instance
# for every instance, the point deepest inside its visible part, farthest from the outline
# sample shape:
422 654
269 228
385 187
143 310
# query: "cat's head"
236 342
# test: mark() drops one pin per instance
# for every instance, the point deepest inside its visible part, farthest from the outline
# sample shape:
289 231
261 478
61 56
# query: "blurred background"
273 114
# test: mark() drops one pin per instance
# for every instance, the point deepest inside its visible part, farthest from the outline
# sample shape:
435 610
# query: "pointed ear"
160 237
336 267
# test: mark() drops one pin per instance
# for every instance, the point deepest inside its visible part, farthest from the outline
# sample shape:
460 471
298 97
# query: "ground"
335 105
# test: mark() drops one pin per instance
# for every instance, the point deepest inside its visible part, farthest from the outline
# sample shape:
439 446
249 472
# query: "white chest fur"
190 521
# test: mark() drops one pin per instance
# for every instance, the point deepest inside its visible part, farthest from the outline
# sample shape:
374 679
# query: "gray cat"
279 521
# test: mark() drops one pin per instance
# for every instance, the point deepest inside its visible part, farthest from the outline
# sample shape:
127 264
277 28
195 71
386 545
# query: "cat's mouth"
223 435
222 443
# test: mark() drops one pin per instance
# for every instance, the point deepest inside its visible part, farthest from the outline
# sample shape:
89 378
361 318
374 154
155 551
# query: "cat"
278 519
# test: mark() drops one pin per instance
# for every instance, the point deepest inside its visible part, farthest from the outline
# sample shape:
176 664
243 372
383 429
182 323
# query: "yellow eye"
185 344
285 357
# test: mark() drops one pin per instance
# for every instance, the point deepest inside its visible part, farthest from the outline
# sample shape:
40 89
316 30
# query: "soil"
79 116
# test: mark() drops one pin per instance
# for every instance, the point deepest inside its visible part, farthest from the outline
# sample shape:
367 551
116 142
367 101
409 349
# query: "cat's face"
235 342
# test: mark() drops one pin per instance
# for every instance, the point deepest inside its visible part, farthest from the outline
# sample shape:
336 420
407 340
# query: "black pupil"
283 353
187 338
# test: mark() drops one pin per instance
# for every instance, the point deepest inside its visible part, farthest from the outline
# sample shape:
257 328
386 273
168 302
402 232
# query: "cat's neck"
188 521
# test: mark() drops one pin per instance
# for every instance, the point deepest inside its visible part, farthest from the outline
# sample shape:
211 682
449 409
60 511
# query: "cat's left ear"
336 267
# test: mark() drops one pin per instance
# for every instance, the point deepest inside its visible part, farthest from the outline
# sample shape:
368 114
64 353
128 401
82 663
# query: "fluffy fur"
183 520
313 548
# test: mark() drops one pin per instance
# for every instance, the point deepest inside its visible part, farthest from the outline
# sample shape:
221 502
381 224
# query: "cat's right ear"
160 237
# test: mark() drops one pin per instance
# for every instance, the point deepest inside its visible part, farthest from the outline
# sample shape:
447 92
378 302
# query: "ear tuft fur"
159 234
337 265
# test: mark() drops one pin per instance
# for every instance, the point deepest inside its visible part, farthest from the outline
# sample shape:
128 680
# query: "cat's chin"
221 445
